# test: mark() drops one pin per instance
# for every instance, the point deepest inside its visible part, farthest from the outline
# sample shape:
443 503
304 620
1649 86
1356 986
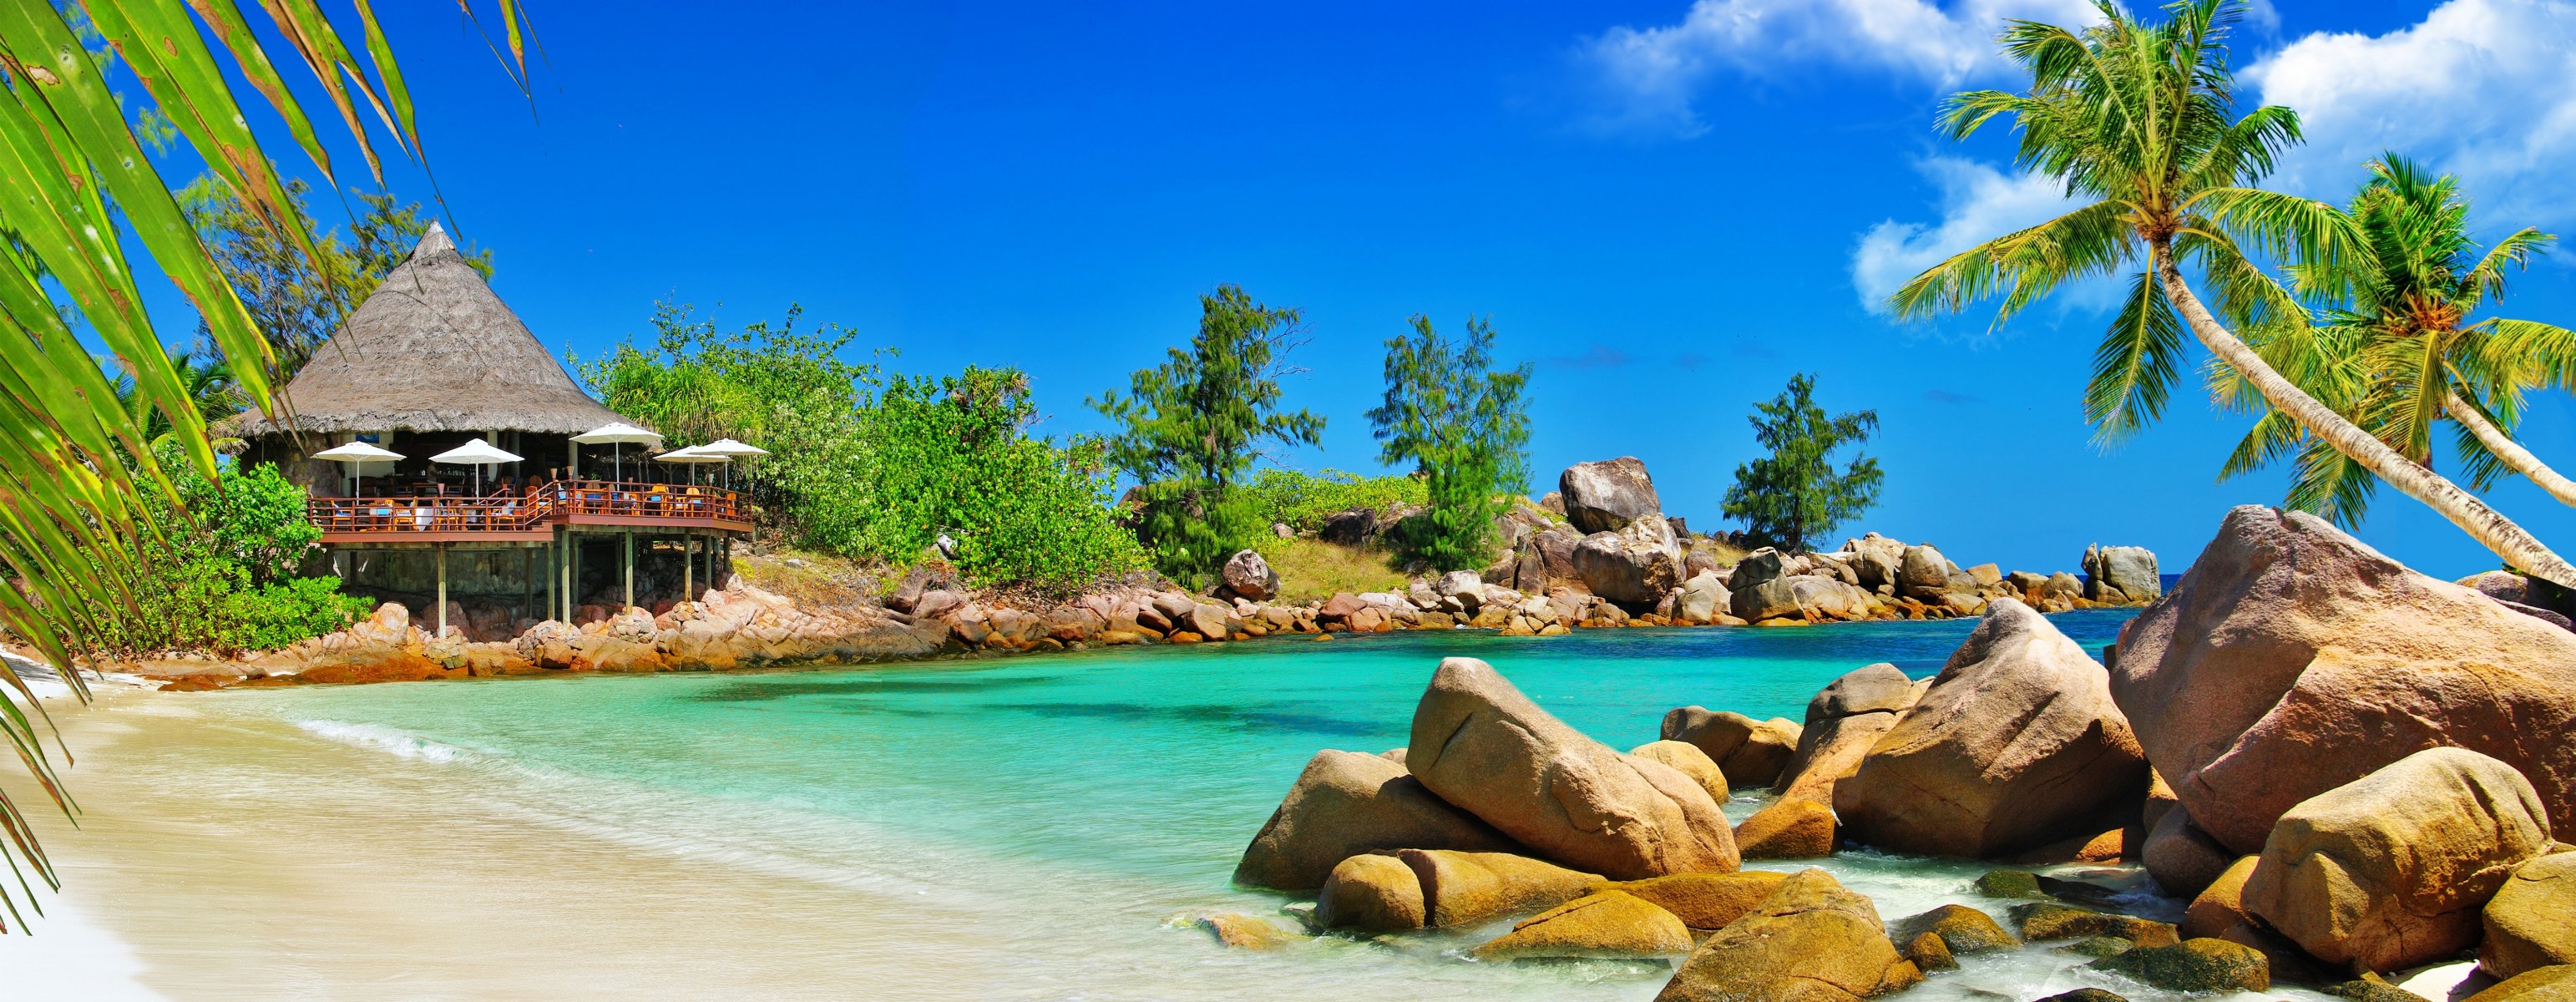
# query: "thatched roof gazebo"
431 353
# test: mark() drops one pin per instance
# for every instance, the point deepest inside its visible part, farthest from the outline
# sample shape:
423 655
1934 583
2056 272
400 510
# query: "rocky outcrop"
1843 722
1749 751
2292 660
1606 924
1468 888
1371 893
1246 575
1348 803
1961 929
1788 829
2390 870
2547 984
1690 761
1703 598
1810 940
1606 495
2531 921
1481 745
1637 564
2182 858
2121 575
2015 745
2220 905
1707 901
2196 966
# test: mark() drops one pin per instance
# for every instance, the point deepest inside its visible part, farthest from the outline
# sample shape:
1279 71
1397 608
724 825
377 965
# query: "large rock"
1962 930
1637 564
1876 562
1546 558
2531 922
1811 940
1468 888
2547 984
2220 905
1348 803
1703 599
1844 721
2292 660
2390 870
1606 495
1480 744
1692 762
1923 573
1607 924
2015 745
2195 966
1788 829
1749 751
1249 576
2182 858
2121 575
1707 901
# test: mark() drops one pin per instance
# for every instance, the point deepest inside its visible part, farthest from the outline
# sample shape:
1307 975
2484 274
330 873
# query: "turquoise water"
1108 790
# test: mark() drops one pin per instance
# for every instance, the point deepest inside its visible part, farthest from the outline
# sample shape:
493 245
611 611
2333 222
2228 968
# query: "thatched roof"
432 349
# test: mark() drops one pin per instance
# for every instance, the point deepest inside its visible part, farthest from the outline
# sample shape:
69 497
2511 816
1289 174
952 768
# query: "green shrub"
225 579
1301 500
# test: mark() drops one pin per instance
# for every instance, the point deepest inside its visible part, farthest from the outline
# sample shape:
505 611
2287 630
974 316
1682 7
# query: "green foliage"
2396 347
768 385
952 455
1301 500
1464 427
1796 495
1191 428
866 464
299 300
225 579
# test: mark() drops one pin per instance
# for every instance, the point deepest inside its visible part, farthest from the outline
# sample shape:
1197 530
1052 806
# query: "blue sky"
1668 208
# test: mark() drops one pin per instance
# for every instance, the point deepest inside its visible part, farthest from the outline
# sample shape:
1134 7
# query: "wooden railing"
538 508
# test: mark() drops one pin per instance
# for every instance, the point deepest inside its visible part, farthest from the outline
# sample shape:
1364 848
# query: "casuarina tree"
1465 430
1190 428
1796 494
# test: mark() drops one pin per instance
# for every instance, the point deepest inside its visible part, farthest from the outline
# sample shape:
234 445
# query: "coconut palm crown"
2140 119
2395 349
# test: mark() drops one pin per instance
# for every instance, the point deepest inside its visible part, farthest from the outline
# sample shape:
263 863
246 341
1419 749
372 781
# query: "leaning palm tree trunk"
2511 453
2488 526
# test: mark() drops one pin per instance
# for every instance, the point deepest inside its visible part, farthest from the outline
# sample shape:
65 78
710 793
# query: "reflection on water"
1025 828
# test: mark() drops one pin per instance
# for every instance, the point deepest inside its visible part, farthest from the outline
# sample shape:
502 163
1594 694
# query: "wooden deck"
529 516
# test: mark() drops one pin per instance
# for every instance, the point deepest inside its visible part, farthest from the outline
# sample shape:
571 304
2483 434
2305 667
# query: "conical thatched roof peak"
433 349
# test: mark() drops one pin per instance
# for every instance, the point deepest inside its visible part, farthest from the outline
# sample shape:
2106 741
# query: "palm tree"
2396 351
81 193
2139 118
212 392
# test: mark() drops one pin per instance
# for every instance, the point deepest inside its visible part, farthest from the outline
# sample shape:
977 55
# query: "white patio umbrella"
357 455
729 449
693 457
478 454
615 435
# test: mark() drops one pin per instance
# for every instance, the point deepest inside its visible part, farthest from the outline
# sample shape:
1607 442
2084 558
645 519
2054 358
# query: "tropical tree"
211 390
1464 427
88 209
2139 119
1795 494
1194 425
2398 347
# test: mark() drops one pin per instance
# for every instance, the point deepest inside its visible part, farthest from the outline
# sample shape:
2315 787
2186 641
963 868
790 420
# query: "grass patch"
823 582
1725 554
1314 569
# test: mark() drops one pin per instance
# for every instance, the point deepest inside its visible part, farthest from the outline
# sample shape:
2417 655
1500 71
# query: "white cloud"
1978 203
1653 75
2485 89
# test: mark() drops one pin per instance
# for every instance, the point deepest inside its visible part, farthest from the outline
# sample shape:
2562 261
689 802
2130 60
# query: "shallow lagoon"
1038 820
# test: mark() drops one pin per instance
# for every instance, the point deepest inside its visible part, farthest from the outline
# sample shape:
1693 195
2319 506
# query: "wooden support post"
630 568
688 568
442 589
563 574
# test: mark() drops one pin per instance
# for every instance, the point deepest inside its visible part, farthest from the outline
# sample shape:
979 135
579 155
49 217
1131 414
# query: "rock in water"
2121 575
1249 576
1480 744
2182 858
1707 901
1788 829
1604 924
1371 893
2043 920
2531 923
1466 888
2015 745
2390 870
1345 804
1843 722
2194 965
1749 751
2292 660
2547 984
2221 904
1638 564
1606 495
1961 929
1811 940
1692 762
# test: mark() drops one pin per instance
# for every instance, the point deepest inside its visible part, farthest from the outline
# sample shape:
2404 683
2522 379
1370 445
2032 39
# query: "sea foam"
386 739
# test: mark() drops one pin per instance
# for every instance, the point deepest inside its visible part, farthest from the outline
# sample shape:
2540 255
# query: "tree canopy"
1463 426
1795 494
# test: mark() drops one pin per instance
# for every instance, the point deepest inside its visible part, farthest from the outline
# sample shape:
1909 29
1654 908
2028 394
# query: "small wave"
387 739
